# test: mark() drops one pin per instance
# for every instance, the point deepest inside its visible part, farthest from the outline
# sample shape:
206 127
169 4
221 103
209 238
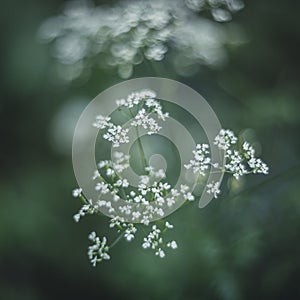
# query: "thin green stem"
140 143
117 240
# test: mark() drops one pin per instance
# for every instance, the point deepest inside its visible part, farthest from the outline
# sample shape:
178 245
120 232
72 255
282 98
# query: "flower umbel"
98 251
144 205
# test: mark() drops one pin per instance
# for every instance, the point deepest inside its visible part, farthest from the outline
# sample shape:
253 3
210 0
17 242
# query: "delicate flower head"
172 245
213 188
225 139
76 192
98 251
201 161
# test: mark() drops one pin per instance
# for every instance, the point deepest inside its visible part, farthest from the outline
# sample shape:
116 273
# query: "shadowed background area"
244 245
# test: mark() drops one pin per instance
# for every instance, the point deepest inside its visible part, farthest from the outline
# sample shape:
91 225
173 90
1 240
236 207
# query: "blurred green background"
244 245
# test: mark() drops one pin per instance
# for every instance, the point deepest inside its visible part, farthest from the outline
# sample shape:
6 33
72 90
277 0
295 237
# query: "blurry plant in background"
131 32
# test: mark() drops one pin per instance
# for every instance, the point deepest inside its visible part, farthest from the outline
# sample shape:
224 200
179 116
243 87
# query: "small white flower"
160 253
168 225
213 188
98 251
130 232
258 166
110 172
235 165
172 245
117 135
225 139
76 192
189 196
135 215
142 119
96 175
76 218
102 122
102 187
92 236
201 161
88 208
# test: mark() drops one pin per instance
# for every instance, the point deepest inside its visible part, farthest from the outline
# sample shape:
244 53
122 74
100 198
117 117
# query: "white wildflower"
136 98
130 232
136 215
117 135
77 192
98 251
117 221
160 253
120 161
157 108
248 150
172 245
258 166
168 225
102 122
225 139
102 187
213 188
96 175
201 161
88 208
235 165
142 119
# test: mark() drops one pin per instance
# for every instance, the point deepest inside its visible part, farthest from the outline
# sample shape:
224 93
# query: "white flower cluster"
130 32
142 119
239 162
154 240
143 204
153 196
213 188
225 139
114 133
118 135
256 164
77 192
130 232
135 98
201 161
242 161
119 163
87 208
98 251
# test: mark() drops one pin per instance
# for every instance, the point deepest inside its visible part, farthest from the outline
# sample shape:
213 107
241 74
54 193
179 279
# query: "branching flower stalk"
132 207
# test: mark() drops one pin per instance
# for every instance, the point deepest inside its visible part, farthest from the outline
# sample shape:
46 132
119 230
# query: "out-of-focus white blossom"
221 10
126 34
